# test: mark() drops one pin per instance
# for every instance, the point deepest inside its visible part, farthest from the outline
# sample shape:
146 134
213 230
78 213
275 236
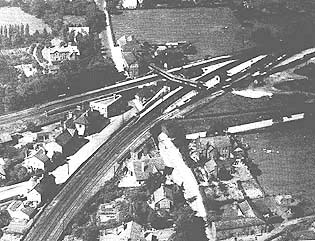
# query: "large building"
108 106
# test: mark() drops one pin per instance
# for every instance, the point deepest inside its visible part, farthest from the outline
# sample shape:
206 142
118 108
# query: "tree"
5 218
19 173
27 30
188 226
90 234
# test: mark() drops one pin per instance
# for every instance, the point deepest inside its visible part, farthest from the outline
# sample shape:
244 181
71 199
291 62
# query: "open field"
14 15
286 156
214 31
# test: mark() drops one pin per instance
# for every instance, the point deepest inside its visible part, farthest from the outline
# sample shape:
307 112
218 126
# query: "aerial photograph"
157 120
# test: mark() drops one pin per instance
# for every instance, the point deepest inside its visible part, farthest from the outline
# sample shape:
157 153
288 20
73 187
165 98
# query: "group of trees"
14 35
53 11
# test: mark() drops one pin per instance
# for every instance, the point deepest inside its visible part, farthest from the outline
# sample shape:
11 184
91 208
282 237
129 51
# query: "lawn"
14 15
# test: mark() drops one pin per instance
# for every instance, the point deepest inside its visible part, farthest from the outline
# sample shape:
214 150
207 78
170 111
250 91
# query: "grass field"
14 15
286 156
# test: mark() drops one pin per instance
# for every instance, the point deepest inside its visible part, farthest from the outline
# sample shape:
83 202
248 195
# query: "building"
28 69
129 4
52 147
159 235
238 227
81 124
38 161
64 140
127 232
106 212
76 30
132 63
163 198
108 106
57 54
17 210
35 194
5 139
251 189
2 172
138 171
222 145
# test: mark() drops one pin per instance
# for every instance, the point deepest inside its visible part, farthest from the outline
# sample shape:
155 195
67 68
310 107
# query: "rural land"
157 120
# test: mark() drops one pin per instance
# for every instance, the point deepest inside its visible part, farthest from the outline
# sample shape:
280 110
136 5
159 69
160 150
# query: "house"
28 69
44 136
71 238
108 106
59 53
2 173
131 231
129 4
38 161
251 189
138 171
18 226
132 63
222 145
81 124
107 211
159 235
5 139
65 140
52 147
238 227
163 198
35 195
76 30
17 210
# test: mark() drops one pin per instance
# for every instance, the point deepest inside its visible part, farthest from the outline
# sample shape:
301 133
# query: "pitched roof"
2 171
5 137
150 165
82 120
40 155
246 209
238 223
162 193
15 205
64 138
134 231
29 211
216 141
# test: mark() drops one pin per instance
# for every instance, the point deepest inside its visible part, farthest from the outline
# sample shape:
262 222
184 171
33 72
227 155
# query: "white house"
129 4
51 148
34 196
17 210
60 53
106 106
81 124
36 161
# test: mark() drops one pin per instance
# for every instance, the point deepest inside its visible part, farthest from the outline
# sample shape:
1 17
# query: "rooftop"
106 101
143 168
5 137
82 120
64 138
40 155
238 223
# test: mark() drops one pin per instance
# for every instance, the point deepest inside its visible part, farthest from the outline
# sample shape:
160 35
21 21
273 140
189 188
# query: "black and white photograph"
157 120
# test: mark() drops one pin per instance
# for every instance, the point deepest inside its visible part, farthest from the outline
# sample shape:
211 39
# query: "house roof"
134 231
238 223
5 137
29 211
15 205
82 120
2 171
40 155
216 141
163 192
246 209
143 168
130 58
64 138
